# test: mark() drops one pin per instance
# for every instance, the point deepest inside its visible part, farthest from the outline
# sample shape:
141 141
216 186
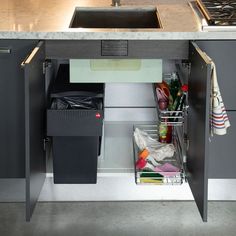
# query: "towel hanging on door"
218 117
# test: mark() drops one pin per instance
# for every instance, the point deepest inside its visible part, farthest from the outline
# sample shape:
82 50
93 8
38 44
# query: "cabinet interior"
136 106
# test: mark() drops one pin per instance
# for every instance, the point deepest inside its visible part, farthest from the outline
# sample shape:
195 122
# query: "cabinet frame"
199 88
143 49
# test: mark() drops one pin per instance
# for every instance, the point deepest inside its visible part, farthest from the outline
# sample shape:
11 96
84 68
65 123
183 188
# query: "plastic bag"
75 103
159 151
83 100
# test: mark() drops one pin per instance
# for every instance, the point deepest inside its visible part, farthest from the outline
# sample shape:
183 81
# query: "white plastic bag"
159 151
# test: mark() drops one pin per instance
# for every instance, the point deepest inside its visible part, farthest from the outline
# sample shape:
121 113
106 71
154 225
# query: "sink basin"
115 17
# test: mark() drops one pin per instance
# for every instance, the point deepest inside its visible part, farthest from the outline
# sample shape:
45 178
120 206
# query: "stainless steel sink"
115 17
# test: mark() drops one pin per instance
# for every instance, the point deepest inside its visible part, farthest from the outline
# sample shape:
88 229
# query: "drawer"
74 122
170 177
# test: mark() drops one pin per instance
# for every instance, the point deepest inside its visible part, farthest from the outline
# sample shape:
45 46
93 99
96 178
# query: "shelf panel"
117 148
115 71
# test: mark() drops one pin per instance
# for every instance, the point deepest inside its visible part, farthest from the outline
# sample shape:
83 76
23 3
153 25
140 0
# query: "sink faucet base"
116 3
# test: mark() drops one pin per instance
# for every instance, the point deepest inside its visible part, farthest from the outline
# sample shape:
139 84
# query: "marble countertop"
50 19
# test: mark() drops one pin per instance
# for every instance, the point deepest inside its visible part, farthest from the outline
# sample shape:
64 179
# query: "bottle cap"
184 88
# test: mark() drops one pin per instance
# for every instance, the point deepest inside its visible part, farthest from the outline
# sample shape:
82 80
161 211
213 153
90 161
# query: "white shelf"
115 70
117 148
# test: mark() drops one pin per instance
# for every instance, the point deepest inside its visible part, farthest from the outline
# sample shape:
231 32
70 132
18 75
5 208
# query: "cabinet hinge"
186 141
44 67
45 141
46 64
186 64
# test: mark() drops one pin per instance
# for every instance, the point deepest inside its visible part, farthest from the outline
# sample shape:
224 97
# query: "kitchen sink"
115 17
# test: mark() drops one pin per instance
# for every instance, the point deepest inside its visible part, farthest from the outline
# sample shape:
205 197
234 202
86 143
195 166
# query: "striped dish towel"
218 117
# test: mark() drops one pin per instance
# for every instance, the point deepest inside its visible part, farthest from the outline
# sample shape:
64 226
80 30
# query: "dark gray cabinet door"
223 53
222 152
34 126
222 161
12 132
198 127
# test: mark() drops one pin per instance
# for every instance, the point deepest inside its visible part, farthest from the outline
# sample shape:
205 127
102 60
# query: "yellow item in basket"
151 181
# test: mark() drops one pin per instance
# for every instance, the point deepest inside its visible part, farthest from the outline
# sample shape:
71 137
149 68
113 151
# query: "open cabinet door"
198 127
34 126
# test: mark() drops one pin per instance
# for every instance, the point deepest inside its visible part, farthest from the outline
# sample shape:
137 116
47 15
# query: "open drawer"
170 170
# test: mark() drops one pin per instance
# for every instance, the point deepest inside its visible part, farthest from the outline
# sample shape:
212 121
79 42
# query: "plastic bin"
76 133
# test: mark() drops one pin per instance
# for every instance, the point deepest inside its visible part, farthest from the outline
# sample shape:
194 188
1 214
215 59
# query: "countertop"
50 19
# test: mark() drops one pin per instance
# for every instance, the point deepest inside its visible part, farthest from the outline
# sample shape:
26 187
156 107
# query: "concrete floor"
118 219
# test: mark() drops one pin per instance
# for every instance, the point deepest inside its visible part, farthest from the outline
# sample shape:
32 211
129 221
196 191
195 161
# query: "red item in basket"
141 163
169 134
162 104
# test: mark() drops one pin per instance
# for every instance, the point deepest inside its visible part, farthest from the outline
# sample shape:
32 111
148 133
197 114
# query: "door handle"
4 50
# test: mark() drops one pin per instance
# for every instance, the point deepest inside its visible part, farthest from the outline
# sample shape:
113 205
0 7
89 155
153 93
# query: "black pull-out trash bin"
75 122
